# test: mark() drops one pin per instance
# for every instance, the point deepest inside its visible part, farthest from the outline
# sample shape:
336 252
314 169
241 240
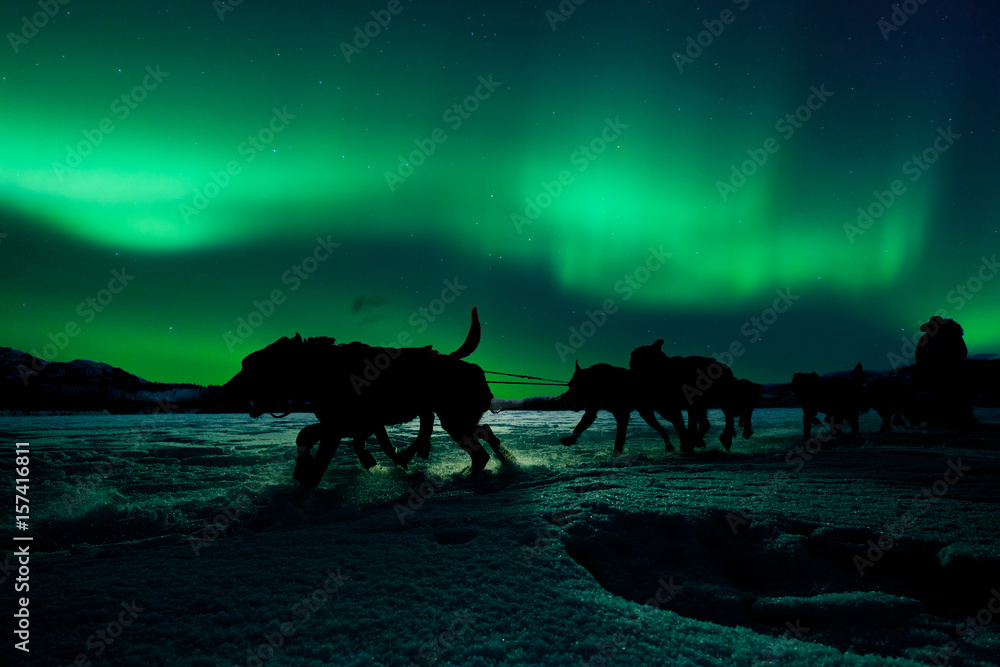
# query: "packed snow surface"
180 539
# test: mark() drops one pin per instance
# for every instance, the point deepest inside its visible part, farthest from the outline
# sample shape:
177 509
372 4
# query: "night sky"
180 187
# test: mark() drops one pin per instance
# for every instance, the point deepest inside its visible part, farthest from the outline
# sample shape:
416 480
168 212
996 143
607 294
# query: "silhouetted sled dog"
839 398
747 395
737 400
356 390
671 384
890 398
611 388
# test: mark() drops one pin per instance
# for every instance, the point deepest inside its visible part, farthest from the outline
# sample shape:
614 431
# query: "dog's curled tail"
472 340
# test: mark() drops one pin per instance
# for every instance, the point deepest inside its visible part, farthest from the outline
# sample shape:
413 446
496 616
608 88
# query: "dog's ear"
658 344
577 365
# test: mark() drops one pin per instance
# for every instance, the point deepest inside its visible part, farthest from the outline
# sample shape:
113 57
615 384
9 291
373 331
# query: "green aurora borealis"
262 115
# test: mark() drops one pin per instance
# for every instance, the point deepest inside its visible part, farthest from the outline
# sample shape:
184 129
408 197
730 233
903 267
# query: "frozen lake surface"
855 553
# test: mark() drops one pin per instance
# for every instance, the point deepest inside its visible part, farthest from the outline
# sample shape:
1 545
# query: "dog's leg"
309 436
467 434
852 419
650 418
886 415
324 454
588 418
727 433
422 445
504 455
621 428
404 456
807 421
692 423
304 463
423 442
835 423
698 425
701 424
470 443
675 417
364 457
387 447
746 421
732 407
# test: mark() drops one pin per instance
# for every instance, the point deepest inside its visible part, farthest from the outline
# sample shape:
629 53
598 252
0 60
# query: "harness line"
547 384
526 377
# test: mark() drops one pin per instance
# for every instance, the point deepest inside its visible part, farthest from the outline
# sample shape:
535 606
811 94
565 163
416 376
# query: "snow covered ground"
178 539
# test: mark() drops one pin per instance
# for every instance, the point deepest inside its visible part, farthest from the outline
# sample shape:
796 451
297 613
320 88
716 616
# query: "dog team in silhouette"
356 390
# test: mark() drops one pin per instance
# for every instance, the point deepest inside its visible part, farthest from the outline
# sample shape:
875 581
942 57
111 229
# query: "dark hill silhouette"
82 385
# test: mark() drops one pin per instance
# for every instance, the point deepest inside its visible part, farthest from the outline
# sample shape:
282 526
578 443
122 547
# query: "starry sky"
789 185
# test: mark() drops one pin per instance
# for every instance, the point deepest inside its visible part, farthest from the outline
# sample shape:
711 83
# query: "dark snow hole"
770 578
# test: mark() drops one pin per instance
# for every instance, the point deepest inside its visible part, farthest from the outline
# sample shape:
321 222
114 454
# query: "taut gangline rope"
544 382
